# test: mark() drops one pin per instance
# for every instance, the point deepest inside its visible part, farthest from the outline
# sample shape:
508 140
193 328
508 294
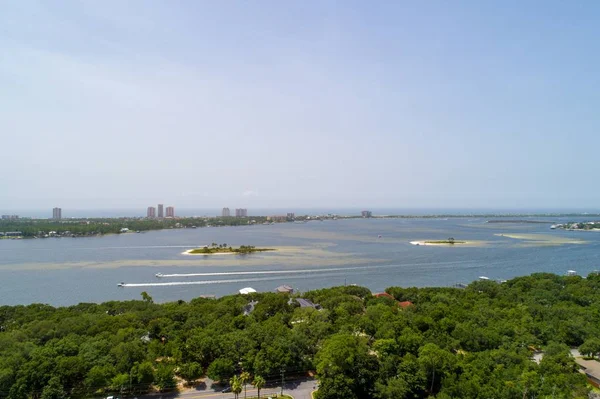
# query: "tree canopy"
469 343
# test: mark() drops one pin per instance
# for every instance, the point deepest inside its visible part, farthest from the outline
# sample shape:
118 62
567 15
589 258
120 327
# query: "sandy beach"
189 252
429 243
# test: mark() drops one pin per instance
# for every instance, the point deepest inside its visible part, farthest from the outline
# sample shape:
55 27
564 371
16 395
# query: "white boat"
159 275
247 290
121 284
484 278
571 273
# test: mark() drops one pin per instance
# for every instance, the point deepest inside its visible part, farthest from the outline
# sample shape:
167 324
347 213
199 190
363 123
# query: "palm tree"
259 383
245 378
236 385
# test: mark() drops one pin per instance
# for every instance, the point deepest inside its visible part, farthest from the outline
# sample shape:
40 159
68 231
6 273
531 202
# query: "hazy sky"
299 103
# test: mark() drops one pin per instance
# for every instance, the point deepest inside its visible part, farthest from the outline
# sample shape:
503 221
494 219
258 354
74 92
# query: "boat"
158 275
484 278
247 290
121 284
379 236
571 273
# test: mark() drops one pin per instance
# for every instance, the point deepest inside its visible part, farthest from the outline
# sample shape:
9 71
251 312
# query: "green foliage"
345 363
54 390
146 297
165 376
214 248
220 369
591 347
472 343
91 227
190 371
259 383
236 385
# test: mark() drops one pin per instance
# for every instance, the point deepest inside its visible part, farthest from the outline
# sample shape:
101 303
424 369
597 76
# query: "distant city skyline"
300 104
356 211
151 212
170 212
241 212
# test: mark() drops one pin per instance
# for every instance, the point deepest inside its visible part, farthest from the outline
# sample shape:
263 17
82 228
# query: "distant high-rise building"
226 213
151 212
241 212
57 213
160 211
366 214
170 212
291 215
10 217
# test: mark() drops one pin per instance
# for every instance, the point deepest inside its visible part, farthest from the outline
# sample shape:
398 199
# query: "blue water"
65 271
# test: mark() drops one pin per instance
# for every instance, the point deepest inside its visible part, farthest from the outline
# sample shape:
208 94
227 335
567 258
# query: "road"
299 389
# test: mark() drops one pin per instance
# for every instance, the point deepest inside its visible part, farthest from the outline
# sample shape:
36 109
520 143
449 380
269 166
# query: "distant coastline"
28 228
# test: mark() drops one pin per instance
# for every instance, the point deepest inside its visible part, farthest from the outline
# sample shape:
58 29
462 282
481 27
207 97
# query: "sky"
282 104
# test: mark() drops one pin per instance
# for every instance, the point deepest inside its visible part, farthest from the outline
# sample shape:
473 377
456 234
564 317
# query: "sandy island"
438 243
226 251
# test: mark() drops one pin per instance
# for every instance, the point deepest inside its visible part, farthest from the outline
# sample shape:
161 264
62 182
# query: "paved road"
299 389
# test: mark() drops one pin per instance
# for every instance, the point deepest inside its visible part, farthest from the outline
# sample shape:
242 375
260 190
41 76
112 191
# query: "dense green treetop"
91 227
453 343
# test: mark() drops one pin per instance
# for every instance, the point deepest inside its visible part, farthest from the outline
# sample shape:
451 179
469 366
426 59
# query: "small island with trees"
219 249
578 226
449 241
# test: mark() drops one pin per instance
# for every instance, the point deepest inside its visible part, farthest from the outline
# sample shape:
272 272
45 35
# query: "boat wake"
266 272
308 271
210 282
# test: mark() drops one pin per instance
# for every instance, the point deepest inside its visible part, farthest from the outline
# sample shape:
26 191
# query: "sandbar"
433 243
189 252
541 239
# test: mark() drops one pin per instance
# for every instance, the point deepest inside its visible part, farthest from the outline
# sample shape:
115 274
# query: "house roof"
284 288
383 294
247 290
405 304
305 303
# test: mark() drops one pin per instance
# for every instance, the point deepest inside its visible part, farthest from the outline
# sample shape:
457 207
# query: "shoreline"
189 252
433 243
426 243
141 224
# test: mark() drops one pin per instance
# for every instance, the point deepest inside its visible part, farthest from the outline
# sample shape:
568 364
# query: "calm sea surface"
66 271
